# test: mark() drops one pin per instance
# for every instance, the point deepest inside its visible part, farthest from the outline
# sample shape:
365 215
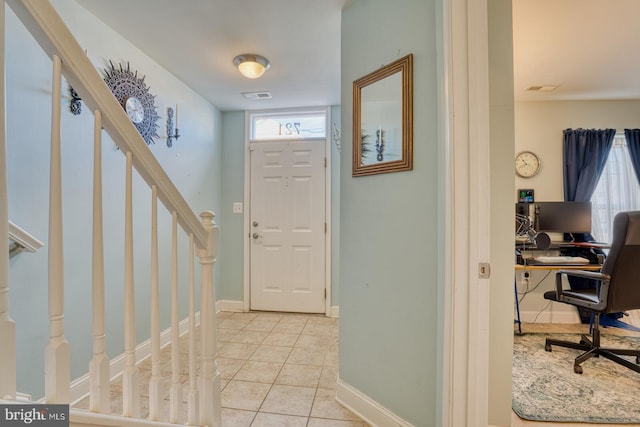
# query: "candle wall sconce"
172 133
75 102
336 137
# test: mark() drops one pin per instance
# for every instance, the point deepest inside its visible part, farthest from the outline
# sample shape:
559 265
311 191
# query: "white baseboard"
366 408
549 317
238 307
229 305
80 386
83 418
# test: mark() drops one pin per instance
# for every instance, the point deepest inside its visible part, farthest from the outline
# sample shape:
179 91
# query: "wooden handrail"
51 33
24 239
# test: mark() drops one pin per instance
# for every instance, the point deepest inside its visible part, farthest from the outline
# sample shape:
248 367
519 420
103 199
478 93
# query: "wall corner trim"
229 305
335 311
366 408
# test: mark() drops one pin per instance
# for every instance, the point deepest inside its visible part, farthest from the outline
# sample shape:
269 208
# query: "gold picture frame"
383 119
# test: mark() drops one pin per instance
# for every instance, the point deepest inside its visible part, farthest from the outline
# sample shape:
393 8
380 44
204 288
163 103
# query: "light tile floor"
277 369
280 370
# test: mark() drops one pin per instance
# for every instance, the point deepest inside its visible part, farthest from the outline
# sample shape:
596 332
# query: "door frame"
464 101
246 303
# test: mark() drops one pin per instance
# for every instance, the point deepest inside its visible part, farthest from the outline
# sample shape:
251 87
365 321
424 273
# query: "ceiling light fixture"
250 65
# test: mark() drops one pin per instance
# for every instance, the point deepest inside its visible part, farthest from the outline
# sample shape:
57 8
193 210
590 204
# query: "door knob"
255 223
255 236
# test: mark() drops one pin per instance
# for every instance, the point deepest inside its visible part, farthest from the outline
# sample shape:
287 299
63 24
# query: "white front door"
287 226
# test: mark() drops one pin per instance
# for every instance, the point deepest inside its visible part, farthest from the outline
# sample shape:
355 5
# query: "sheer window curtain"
585 153
617 190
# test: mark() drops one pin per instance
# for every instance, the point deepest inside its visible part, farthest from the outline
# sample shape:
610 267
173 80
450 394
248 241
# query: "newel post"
209 381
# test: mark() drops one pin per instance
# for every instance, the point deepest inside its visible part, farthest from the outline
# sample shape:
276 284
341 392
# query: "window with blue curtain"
617 190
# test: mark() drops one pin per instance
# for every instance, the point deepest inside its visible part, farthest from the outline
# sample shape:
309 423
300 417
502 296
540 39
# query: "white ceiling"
587 48
196 40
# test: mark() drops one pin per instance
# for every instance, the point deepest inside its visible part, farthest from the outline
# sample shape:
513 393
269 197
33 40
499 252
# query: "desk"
534 267
547 267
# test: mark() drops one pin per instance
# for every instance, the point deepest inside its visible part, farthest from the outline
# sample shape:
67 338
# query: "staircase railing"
203 393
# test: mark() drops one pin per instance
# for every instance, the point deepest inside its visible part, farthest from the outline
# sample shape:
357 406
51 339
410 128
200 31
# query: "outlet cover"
484 270
237 207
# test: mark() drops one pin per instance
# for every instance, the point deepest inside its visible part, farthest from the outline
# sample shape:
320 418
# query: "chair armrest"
595 275
581 298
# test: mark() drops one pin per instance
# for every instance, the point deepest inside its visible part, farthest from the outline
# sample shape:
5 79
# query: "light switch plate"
237 207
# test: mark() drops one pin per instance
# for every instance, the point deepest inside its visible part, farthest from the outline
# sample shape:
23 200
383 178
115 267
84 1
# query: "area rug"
545 388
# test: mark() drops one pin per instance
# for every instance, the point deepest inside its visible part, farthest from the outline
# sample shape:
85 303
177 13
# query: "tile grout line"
322 333
272 383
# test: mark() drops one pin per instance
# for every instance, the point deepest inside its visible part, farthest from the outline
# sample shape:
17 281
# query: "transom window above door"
284 126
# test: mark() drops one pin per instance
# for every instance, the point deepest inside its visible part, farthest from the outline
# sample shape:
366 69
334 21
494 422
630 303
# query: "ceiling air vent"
257 95
542 88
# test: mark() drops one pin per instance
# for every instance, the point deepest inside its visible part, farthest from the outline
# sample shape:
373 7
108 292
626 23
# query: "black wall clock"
133 94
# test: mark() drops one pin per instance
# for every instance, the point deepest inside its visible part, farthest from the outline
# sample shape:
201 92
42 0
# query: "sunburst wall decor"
133 94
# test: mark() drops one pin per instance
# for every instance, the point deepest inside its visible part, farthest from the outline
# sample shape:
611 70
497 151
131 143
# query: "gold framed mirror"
383 119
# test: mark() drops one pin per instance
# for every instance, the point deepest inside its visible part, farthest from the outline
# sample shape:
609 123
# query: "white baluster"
210 399
7 326
192 399
99 399
155 384
56 362
175 411
130 380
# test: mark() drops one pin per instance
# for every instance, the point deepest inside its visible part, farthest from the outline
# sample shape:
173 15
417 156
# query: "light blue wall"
231 285
389 245
193 164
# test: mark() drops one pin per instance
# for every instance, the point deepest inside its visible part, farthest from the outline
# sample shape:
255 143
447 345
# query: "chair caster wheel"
577 369
637 360
547 347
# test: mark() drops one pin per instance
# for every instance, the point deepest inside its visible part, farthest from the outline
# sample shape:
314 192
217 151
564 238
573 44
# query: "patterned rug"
545 388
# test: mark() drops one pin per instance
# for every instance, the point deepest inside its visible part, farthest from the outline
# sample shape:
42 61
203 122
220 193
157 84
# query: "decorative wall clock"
133 94
527 164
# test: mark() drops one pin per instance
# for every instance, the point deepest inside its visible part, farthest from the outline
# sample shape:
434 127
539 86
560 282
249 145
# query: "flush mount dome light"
250 65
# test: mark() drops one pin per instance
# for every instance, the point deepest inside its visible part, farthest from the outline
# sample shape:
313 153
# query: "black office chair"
618 289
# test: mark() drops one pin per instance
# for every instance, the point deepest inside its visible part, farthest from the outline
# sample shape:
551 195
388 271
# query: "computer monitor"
562 217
